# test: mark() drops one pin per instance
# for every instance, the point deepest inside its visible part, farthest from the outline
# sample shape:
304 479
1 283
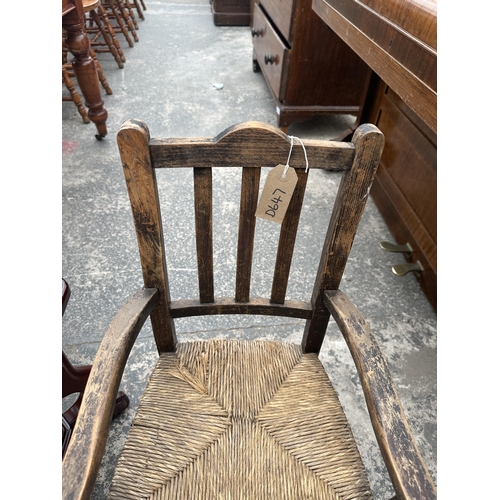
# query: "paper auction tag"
276 194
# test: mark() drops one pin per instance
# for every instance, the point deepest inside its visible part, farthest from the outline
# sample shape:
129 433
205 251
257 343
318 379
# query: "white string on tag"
287 166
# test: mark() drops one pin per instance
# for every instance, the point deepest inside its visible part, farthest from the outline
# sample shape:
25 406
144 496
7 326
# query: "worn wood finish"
394 51
204 239
286 243
246 231
87 445
407 470
259 306
249 144
86 448
349 205
133 144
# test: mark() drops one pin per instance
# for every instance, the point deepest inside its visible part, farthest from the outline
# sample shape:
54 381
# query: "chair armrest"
88 441
403 460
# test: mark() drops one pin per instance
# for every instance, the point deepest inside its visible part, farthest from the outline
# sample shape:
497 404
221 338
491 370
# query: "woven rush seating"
227 419
232 419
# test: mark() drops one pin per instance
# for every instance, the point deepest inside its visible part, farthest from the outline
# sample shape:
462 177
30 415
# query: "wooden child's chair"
227 419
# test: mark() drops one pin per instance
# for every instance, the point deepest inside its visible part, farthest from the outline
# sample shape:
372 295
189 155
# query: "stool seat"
89 5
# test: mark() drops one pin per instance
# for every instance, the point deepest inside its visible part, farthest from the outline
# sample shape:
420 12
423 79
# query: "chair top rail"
250 144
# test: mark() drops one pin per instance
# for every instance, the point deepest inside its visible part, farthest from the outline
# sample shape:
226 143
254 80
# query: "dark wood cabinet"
231 12
307 67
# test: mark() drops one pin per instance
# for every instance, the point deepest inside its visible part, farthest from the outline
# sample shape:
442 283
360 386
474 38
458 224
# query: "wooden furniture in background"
101 32
308 68
73 24
67 77
231 12
397 40
249 419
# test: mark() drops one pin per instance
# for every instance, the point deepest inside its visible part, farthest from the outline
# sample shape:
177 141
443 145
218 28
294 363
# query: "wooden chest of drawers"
307 67
231 12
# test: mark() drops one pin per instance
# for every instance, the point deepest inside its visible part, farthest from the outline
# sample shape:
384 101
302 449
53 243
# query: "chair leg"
75 97
137 6
105 29
100 73
117 14
128 17
130 11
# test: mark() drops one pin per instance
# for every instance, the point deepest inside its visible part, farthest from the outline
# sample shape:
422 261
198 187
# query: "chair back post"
133 143
347 211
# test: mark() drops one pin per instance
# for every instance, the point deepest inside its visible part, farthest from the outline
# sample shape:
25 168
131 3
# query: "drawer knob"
268 59
257 32
402 269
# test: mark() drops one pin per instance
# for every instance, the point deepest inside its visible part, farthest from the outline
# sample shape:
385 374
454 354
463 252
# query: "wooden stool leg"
75 97
119 19
100 73
138 8
130 12
126 17
102 22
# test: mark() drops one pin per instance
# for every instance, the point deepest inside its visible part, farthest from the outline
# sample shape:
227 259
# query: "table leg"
85 71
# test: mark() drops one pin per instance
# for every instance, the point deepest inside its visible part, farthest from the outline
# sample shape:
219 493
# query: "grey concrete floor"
168 81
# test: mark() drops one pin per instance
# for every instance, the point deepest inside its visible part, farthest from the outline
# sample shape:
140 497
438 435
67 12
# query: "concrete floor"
168 81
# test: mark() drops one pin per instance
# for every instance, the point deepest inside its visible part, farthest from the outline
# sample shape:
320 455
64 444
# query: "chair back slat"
286 243
204 238
248 204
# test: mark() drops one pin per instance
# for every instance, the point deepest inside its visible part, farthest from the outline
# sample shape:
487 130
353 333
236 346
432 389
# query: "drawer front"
281 12
271 54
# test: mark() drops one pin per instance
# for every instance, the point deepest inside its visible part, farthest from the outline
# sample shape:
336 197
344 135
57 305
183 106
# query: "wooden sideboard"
309 69
397 40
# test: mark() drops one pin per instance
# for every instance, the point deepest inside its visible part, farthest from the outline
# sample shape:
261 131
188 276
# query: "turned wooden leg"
85 71
138 8
128 20
108 33
121 24
74 95
130 12
100 73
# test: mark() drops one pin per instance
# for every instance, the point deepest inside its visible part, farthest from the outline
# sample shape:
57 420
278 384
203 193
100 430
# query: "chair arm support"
88 441
403 460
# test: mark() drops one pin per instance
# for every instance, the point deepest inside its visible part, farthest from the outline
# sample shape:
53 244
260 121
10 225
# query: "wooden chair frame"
253 145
